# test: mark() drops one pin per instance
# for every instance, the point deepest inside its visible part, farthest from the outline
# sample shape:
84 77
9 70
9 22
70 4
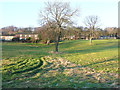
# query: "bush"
15 39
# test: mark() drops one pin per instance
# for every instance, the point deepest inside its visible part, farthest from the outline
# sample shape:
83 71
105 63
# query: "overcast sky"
24 13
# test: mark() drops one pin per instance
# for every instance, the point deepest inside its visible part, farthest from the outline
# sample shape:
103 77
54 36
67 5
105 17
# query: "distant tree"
12 30
25 30
56 15
91 22
78 32
44 34
98 33
9 30
112 31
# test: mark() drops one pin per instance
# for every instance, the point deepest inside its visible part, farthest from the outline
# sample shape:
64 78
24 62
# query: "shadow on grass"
99 62
29 69
90 50
37 78
58 81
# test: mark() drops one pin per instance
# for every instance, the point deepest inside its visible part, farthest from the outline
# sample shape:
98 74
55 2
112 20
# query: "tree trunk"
90 40
56 46
91 37
48 42
57 43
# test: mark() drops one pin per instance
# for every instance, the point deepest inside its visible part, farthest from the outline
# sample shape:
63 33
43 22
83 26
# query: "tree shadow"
99 62
91 50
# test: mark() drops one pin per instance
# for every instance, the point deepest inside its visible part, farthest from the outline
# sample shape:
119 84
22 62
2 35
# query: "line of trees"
12 30
47 34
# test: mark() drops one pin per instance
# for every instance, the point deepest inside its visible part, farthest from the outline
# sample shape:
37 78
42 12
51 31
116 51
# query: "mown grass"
102 56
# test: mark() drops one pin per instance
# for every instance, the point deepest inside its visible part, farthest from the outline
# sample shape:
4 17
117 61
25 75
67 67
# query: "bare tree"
56 15
92 23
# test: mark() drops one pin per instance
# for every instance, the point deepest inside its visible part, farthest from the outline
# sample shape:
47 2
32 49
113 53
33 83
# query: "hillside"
77 65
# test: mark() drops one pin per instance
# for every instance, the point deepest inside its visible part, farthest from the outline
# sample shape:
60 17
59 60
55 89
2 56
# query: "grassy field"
32 65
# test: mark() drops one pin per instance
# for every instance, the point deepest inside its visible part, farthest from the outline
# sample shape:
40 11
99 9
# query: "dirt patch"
59 65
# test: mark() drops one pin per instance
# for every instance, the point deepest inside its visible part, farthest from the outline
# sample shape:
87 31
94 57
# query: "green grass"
23 61
102 55
25 49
